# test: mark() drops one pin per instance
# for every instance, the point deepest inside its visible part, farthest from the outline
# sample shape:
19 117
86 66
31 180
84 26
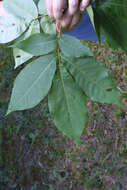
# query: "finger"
2 11
84 4
58 8
72 6
49 7
64 22
75 20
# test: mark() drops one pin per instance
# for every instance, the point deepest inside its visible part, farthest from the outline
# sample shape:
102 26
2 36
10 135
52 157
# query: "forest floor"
34 155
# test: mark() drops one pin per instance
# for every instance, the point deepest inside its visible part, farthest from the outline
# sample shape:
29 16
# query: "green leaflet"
33 28
47 23
48 26
33 83
94 80
25 10
72 47
112 19
38 44
89 10
67 104
11 28
18 17
97 27
21 56
94 20
42 7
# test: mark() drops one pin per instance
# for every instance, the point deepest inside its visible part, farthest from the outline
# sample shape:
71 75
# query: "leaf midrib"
66 99
39 44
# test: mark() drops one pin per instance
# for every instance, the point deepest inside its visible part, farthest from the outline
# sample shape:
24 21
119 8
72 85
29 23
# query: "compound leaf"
72 47
33 83
67 104
94 80
38 44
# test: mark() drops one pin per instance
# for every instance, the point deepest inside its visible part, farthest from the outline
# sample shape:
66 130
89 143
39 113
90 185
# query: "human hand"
2 11
66 19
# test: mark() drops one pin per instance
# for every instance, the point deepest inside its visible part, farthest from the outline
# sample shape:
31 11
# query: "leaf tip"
15 67
8 112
